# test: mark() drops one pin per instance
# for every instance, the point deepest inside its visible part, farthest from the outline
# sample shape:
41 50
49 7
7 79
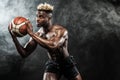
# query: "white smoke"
10 9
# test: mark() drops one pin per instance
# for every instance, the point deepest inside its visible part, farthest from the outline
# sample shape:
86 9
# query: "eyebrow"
41 13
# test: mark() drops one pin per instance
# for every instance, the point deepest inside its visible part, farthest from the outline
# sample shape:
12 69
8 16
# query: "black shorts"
65 67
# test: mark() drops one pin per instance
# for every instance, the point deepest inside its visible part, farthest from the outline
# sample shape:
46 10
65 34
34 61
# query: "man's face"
42 18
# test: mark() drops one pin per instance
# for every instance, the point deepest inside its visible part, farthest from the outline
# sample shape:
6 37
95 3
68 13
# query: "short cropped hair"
45 7
48 8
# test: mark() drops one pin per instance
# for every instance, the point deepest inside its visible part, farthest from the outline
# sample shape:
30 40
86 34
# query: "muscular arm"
53 42
27 49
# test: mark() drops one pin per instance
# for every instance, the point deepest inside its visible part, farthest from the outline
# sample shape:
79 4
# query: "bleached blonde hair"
45 7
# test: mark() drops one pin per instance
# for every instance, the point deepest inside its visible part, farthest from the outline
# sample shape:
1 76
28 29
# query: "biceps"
60 40
30 45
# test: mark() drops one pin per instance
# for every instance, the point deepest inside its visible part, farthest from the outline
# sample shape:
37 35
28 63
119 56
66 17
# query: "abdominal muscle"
59 53
56 54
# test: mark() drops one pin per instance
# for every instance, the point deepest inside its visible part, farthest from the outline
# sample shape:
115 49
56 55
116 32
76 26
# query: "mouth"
38 24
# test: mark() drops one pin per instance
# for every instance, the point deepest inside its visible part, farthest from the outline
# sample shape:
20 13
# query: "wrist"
30 33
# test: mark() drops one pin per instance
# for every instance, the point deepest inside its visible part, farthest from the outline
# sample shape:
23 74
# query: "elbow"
23 54
51 45
54 45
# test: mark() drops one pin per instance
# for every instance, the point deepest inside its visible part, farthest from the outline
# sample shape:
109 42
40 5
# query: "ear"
50 15
49 18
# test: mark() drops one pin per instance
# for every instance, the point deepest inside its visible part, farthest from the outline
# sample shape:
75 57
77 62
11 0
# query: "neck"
47 27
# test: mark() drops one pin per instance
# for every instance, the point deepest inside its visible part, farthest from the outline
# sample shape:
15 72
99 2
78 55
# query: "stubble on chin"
38 25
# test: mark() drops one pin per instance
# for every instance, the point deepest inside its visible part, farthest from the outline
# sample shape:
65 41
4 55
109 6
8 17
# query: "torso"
55 54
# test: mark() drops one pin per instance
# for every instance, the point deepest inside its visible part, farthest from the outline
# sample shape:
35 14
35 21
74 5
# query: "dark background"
94 38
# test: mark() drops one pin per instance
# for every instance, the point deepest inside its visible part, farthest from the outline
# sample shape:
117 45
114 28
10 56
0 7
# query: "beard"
43 24
38 25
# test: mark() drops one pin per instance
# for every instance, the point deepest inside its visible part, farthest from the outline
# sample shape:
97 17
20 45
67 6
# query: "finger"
9 27
29 25
26 22
27 19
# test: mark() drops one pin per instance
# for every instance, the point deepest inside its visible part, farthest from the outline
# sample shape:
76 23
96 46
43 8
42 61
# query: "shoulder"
59 28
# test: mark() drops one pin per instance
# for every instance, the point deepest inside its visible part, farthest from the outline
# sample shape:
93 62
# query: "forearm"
43 42
19 48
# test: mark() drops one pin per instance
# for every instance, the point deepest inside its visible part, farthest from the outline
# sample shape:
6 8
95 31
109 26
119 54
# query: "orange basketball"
18 26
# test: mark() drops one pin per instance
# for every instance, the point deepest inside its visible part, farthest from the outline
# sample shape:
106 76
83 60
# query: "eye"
37 15
40 16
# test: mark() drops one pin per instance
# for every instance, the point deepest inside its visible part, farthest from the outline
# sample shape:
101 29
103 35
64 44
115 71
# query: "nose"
37 19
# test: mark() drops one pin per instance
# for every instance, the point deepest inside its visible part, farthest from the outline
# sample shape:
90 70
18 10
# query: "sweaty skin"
54 38
55 41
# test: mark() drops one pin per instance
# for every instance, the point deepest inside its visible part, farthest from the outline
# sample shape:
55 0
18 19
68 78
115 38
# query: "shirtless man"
54 38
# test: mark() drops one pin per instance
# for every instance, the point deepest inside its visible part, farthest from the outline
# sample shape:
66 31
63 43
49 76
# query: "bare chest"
47 35
50 35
